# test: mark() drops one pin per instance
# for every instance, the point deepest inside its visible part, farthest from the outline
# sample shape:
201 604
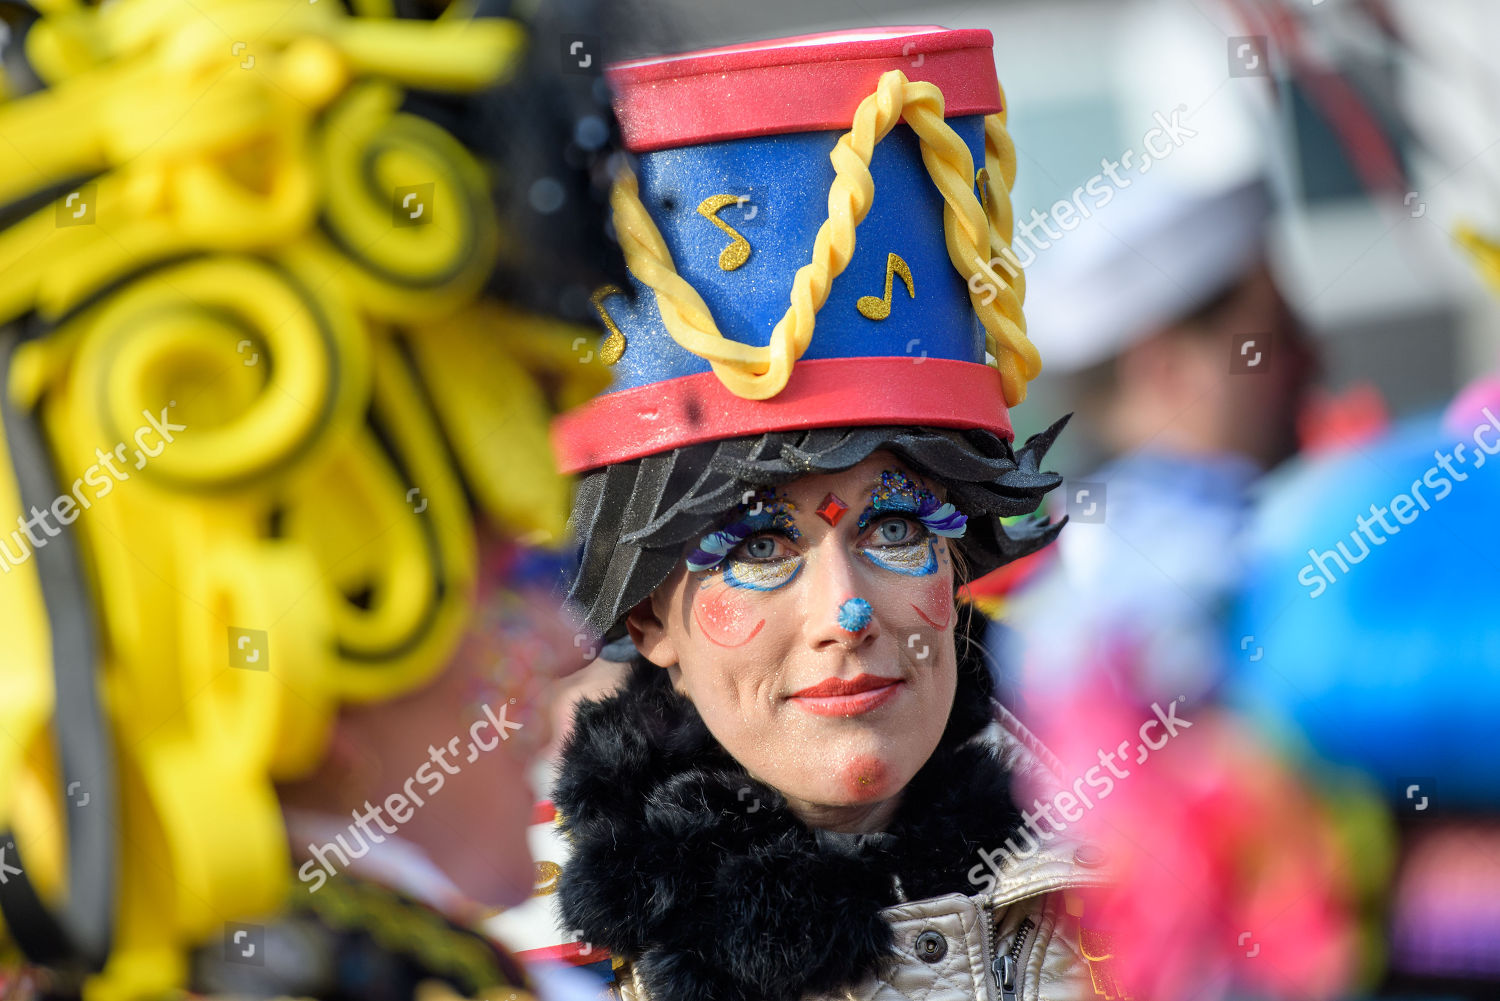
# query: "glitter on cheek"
938 597
724 619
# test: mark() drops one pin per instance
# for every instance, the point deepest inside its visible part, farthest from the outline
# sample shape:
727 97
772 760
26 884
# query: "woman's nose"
839 613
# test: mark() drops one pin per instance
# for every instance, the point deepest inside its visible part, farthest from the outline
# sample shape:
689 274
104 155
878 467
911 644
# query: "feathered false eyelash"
897 493
714 546
772 513
941 519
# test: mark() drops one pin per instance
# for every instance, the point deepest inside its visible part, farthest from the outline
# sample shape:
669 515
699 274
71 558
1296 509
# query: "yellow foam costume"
203 257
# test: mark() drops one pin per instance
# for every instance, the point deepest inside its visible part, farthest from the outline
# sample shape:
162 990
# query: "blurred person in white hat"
1186 368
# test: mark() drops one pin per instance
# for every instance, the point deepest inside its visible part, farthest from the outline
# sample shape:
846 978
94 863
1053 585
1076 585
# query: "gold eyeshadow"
917 559
761 576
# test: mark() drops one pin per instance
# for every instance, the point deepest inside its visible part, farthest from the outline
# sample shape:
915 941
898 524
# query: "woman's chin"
840 762
851 778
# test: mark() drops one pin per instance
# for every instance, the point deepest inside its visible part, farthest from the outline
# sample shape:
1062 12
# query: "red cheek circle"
724 619
937 597
865 778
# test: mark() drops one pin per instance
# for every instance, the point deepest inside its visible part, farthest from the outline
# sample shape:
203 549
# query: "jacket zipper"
1007 966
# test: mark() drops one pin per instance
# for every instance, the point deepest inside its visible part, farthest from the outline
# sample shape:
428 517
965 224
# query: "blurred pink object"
1229 877
1466 412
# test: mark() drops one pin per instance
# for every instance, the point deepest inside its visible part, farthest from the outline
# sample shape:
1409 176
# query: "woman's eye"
762 548
894 531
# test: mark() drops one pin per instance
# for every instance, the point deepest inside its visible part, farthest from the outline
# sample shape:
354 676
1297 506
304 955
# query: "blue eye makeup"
759 576
745 548
898 544
756 565
897 493
901 547
765 512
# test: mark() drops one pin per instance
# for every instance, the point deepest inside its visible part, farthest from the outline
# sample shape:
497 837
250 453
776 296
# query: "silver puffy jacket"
1017 943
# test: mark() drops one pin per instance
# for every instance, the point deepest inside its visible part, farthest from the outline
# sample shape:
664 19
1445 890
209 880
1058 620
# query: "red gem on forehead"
831 510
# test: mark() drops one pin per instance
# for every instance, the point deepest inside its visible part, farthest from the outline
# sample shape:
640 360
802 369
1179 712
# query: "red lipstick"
847 696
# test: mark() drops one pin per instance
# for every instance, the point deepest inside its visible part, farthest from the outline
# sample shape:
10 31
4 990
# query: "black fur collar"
675 867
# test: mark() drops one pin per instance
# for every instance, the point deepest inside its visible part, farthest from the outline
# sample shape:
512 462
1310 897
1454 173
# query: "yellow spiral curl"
972 234
343 398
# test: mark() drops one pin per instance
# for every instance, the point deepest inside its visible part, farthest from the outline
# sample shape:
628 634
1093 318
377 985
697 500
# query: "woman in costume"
804 787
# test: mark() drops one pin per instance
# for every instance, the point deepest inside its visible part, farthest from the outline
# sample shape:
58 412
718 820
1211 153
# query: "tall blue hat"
818 235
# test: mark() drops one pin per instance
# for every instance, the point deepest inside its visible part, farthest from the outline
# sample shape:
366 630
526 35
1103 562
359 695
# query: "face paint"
743 654
910 553
854 615
768 513
724 620
896 492
864 778
758 576
912 561
832 509
939 602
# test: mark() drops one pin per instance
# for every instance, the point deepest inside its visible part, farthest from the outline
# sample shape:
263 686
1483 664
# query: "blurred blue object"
1384 654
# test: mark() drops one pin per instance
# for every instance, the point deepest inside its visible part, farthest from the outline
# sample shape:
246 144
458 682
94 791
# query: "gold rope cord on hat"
975 235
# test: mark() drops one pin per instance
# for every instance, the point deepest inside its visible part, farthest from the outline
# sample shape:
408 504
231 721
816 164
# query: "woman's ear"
650 634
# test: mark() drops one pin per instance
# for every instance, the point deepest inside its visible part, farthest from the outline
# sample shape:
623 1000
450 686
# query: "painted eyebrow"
872 506
770 528
767 521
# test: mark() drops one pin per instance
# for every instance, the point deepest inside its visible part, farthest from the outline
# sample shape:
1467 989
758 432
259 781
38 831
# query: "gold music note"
738 251
879 309
613 347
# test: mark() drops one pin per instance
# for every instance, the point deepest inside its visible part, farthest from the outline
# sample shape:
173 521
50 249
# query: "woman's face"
817 639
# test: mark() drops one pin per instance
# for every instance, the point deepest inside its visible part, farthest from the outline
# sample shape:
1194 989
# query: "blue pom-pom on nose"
854 615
